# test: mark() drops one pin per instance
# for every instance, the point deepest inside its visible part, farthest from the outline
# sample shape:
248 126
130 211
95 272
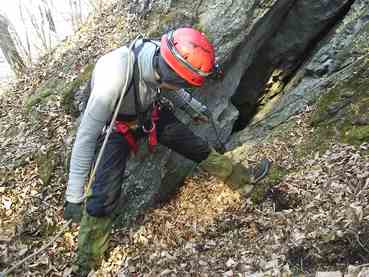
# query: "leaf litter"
315 218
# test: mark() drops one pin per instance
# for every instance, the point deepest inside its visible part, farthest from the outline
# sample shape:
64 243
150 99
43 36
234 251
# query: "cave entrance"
278 59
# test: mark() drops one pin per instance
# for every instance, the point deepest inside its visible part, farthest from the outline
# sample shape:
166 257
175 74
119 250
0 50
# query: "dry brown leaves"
210 231
31 212
206 230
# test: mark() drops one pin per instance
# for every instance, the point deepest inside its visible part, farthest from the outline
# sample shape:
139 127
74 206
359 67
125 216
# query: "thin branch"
65 226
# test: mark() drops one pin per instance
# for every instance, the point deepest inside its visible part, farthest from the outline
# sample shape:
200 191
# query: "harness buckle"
153 127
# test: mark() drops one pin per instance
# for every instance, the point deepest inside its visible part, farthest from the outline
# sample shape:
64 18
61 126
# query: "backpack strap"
143 116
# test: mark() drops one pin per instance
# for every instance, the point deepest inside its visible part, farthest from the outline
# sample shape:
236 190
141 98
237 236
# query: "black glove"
73 211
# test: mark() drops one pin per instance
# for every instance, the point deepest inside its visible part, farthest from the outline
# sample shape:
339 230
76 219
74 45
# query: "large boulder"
284 49
334 60
288 51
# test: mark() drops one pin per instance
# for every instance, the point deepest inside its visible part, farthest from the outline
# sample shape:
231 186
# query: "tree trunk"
9 49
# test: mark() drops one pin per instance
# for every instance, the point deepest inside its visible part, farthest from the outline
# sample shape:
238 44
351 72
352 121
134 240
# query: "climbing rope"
93 173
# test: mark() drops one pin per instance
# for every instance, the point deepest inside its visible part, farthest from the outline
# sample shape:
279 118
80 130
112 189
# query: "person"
183 58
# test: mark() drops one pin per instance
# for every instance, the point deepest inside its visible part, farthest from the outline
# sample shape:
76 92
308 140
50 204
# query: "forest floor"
314 219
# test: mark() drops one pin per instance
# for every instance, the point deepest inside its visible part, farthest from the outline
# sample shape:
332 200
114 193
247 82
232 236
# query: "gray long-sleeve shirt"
108 79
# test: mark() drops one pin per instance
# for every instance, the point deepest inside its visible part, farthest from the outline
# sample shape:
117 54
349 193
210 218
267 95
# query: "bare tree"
97 5
42 21
27 48
49 16
9 49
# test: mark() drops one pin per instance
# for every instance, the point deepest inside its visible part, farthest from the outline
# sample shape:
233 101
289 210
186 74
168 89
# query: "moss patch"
72 87
342 114
41 95
46 164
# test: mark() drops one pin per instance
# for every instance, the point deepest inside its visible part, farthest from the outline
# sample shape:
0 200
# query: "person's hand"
73 211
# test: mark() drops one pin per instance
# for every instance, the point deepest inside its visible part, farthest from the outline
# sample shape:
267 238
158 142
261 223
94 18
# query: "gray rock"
340 48
300 26
254 40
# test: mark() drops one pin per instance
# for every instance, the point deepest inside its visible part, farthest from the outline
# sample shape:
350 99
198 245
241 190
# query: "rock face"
278 57
334 60
289 51
305 23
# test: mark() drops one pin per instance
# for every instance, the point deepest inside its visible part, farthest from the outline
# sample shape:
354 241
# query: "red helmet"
189 53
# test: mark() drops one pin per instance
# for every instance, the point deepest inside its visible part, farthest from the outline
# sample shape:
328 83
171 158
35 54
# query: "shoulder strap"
143 116
135 78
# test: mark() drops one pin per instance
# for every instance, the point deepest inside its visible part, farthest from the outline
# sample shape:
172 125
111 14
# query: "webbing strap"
123 128
142 115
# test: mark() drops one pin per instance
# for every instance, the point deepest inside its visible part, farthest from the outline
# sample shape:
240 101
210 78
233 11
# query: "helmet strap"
168 75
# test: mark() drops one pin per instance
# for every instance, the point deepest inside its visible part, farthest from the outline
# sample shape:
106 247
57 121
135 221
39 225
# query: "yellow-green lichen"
342 114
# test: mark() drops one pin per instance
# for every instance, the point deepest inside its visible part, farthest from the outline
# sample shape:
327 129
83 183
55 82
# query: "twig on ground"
65 226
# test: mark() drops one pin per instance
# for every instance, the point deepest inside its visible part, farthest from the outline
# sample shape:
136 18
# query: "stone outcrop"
334 60
288 50
278 57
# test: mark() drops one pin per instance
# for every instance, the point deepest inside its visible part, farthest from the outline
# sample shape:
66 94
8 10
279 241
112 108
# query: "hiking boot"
93 240
235 175
259 171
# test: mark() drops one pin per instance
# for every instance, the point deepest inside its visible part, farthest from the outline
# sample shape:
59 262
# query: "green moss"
46 164
70 89
358 134
276 174
42 93
342 114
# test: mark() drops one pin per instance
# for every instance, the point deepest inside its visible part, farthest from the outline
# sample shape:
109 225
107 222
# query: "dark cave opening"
255 86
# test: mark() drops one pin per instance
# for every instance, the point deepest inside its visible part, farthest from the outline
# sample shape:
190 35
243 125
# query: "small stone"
231 263
340 234
203 263
329 274
228 273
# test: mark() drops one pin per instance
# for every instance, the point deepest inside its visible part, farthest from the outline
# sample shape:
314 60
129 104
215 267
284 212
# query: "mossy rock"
42 94
46 162
72 87
342 114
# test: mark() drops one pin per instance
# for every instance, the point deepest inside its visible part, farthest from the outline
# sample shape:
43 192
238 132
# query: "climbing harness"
126 129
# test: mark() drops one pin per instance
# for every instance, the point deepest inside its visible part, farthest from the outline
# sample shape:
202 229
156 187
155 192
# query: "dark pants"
106 189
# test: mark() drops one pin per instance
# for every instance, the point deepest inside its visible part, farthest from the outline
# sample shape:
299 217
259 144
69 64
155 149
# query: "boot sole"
266 164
